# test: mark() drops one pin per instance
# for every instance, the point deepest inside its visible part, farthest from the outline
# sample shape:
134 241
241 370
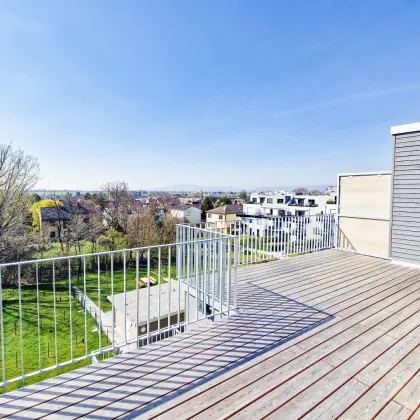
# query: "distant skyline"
195 188
237 93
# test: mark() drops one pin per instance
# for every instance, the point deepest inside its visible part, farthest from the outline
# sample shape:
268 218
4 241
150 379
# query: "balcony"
326 334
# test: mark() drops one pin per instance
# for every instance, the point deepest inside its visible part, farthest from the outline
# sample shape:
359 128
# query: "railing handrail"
95 254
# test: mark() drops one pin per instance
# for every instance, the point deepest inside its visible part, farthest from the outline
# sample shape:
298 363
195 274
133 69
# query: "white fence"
268 238
61 311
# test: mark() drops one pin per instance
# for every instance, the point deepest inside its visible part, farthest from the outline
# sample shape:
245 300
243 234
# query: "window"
280 201
221 217
269 200
209 215
254 200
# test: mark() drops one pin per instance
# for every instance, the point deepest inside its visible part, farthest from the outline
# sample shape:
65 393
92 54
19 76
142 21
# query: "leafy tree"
223 201
88 196
243 195
206 205
113 240
35 198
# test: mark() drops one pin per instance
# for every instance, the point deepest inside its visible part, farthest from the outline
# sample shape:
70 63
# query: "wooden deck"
326 335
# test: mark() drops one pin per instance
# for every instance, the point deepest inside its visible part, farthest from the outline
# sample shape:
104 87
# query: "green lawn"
48 344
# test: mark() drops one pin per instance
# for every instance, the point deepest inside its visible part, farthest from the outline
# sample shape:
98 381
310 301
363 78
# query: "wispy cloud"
343 100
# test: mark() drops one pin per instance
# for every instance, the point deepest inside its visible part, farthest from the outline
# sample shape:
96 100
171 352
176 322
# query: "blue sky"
239 93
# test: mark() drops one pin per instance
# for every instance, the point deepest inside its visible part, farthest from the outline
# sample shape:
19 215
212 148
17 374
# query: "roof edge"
405 128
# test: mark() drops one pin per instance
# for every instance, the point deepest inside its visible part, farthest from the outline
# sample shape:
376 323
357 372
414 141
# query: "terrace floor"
325 335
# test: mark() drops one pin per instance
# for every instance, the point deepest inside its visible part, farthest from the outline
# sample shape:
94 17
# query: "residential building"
282 203
226 213
187 212
53 221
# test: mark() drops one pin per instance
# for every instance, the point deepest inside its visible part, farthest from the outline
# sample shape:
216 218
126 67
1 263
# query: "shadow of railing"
277 320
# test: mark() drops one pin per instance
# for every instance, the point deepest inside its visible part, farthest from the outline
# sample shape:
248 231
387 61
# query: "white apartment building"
188 212
282 203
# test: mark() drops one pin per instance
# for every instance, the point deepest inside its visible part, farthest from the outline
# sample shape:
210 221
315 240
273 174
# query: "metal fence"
61 311
268 238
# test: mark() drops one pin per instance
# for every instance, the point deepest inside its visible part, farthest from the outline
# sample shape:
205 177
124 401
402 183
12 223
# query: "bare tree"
19 173
142 230
315 192
301 191
116 205
165 200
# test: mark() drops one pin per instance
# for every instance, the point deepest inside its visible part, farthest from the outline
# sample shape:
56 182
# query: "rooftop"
156 304
227 209
325 335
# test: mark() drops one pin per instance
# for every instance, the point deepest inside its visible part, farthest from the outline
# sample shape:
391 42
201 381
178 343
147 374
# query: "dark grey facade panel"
403 257
405 230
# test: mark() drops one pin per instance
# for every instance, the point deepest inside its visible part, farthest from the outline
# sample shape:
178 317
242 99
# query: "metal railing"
56 312
269 237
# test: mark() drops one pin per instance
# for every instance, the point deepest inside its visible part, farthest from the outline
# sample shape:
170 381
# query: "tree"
113 240
88 196
35 198
19 173
243 195
315 192
206 205
301 191
116 205
223 201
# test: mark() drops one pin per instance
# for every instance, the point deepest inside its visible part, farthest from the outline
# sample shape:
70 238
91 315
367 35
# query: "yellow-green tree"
36 208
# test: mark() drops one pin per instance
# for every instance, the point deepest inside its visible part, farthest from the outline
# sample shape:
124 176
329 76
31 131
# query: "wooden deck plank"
376 397
394 411
350 362
360 291
409 396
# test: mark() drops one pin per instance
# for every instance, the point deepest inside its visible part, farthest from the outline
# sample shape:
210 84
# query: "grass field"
56 346
46 348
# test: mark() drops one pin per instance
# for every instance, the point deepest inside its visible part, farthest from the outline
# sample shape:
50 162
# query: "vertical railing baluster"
125 295
204 276
229 273
38 316
213 293
159 287
70 314
3 360
55 315
188 278
99 307
84 305
113 303
180 279
138 296
169 289
148 295
220 276
197 290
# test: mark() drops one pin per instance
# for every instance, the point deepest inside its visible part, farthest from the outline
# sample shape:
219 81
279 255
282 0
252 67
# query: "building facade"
282 203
